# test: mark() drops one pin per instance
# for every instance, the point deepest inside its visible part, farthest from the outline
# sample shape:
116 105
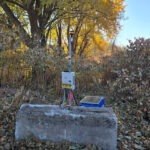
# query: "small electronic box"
92 101
68 80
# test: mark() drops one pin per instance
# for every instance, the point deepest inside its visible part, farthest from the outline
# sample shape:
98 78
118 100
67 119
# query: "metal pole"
70 52
70 41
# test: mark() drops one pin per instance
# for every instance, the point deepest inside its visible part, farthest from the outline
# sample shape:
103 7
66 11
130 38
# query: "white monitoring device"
68 80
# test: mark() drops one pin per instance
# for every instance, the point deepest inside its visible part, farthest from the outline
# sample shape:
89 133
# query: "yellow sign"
67 86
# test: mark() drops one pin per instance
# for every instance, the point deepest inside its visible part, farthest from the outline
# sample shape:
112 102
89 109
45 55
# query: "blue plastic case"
89 102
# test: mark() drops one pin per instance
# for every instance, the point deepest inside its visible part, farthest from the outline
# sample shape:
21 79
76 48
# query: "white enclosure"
68 80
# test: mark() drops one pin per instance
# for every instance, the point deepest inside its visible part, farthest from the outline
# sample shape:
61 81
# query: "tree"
94 23
39 17
38 14
7 39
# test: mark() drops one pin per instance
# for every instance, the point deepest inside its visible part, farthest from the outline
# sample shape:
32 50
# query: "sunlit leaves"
41 19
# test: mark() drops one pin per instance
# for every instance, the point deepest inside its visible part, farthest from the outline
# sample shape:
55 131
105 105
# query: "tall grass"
39 69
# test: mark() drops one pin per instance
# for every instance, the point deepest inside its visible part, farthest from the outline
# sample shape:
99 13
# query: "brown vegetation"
123 77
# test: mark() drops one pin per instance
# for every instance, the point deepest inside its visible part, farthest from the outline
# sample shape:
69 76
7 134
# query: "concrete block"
74 124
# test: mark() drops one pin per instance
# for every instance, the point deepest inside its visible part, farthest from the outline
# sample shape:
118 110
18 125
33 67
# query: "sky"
136 23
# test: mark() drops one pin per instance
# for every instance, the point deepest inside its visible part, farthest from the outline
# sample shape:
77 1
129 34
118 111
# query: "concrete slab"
75 124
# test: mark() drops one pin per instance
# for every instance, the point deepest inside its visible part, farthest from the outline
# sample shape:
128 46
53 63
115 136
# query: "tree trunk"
24 35
59 36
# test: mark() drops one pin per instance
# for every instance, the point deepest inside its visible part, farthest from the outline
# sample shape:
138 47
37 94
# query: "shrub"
132 86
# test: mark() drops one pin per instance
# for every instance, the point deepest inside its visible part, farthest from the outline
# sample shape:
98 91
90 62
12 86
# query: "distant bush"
132 84
125 74
40 69
132 69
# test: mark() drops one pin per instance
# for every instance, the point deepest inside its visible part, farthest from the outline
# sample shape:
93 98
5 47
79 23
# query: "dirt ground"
133 131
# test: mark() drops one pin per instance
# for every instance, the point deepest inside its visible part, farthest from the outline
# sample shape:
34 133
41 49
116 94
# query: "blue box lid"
92 101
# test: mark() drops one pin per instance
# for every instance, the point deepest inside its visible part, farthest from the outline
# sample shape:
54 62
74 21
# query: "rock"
75 124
